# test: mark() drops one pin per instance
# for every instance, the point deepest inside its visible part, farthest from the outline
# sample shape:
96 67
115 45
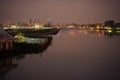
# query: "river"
71 55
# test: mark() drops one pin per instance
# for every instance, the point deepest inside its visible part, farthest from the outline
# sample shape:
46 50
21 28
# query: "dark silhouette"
28 48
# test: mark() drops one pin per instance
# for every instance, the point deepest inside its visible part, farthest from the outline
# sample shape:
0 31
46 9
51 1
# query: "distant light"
118 31
109 31
16 36
108 27
117 28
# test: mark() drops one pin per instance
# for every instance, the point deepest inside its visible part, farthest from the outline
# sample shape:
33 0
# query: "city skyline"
60 11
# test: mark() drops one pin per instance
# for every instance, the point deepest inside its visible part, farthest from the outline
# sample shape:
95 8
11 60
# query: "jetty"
33 32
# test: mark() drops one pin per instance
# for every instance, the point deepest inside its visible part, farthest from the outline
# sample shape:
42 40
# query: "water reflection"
82 56
38 46
7 64
106 32
96 32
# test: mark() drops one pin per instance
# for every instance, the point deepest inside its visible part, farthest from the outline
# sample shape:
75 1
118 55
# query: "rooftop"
4 35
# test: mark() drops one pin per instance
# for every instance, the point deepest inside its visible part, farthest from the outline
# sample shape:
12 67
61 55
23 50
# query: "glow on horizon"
60 11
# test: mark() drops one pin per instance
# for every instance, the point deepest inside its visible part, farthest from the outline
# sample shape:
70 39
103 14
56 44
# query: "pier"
8 36
33 32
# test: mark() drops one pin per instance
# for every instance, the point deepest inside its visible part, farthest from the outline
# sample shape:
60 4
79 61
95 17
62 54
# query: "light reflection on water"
73 55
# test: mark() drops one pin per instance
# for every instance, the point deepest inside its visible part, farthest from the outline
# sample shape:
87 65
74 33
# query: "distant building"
110 23
117 25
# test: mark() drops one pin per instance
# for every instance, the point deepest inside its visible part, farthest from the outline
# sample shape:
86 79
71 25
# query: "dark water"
72 55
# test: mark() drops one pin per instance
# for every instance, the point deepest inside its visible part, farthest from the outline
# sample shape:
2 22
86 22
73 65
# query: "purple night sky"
60 11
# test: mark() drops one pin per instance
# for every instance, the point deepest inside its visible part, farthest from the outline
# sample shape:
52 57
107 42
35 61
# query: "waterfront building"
6 40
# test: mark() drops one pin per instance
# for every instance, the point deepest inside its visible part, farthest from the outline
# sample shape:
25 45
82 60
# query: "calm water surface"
72 55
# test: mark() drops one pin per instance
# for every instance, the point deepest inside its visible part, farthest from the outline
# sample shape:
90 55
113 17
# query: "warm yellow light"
117 28
109 31
20 37
117 31
107 27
